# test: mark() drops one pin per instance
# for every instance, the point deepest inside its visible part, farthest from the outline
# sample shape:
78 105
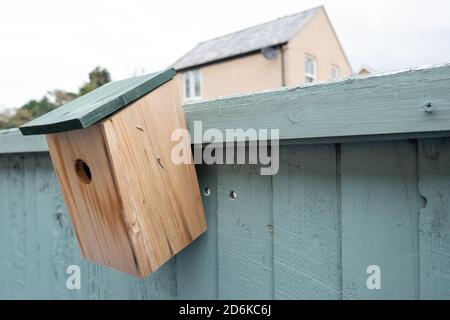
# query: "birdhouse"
132 208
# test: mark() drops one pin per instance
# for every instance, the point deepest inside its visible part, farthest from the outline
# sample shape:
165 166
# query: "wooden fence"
364 180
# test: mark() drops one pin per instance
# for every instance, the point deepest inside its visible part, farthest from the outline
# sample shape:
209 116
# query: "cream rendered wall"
255 73
318 39
241 75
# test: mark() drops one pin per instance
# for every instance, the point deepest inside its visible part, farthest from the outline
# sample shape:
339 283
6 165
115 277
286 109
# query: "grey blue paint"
380 218
12 141
434 218
308 232
381 105
306 221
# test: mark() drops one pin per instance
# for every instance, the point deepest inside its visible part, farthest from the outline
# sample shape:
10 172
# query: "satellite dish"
269 53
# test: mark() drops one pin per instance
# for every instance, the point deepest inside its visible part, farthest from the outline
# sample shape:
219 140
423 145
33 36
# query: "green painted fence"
372 194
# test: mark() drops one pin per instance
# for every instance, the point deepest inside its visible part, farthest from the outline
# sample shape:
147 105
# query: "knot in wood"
135 228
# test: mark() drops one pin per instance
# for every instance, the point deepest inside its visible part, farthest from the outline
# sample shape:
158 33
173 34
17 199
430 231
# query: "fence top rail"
413 103
12 141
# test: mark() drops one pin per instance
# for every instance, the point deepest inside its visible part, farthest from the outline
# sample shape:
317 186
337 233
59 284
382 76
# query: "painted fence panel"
309 232
245 245
380 214
307 245
434 185
197 265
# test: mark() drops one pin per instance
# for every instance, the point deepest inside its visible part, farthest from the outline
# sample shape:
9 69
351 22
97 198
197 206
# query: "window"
310 69
192 85
334 72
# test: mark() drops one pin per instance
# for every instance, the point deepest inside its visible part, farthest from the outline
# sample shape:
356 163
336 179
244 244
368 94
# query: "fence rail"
409 104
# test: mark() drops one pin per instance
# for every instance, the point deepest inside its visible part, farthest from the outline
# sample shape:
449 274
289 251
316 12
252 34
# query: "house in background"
365 70
295 49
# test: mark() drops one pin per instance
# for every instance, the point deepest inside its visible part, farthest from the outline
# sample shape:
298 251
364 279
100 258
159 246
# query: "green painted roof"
97 104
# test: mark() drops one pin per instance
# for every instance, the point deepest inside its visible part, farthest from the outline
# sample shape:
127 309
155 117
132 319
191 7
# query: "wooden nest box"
131 207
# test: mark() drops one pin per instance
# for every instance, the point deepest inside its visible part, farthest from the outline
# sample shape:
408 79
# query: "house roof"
252 39
367 68
97 104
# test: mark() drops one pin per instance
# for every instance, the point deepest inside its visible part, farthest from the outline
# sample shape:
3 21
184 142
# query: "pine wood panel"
139 146
94 208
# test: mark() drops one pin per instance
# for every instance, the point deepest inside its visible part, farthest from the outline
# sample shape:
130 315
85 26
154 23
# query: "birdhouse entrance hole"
83 172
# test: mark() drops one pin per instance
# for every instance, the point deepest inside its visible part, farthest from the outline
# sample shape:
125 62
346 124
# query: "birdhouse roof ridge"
96 105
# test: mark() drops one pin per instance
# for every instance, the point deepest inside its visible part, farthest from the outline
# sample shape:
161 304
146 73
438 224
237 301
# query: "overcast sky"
49 44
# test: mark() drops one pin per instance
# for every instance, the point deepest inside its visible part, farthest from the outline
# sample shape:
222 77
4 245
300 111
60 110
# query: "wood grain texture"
380 219
97 104
95 208
140 208
139 145
378 105
434 185
306 218
245 238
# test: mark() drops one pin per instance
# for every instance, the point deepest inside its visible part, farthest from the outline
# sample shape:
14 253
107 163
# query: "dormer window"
192 85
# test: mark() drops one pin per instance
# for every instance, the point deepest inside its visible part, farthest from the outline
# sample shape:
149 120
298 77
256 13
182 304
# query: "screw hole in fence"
428 108
83 172
207 191
233 195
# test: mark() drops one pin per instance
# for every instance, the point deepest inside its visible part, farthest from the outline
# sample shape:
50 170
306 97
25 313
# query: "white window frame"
313 76
190 76
334 70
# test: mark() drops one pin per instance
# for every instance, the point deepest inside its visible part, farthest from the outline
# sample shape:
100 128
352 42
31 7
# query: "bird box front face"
131 207
84 173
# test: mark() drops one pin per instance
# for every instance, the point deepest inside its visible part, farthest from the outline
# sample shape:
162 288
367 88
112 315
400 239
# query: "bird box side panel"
163 204
84 174
164 114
